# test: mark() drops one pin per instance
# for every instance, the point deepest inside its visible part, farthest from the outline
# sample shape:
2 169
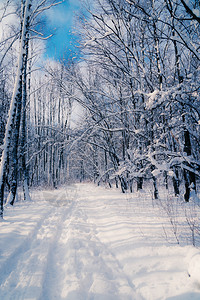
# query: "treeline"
140 84
35 117
135 87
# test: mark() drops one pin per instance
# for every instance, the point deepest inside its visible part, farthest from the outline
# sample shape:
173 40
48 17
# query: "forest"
125 112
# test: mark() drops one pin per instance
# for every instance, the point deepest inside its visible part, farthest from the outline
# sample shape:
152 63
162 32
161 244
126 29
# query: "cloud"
58 17
8 19
63 14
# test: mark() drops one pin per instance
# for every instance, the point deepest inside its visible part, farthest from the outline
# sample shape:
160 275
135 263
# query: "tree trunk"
14 151
189 177
139 183
13 105
23 131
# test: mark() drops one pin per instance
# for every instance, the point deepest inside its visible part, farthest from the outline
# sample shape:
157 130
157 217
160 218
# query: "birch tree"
29 15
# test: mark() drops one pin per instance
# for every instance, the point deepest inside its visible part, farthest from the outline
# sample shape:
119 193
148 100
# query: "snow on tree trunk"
13 105
23 130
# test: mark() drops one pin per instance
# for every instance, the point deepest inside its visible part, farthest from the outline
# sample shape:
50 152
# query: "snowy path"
89 243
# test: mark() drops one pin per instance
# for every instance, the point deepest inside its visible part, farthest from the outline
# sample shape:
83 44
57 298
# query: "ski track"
77 252
11 261
89 248
62 258
23 270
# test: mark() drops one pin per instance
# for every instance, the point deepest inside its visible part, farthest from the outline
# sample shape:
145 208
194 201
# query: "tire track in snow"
23 278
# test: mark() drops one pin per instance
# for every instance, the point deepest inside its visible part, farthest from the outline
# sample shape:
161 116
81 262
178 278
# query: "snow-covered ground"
86 242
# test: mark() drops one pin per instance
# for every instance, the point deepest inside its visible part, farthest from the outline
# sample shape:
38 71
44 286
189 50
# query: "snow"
196 12
194 268
85 242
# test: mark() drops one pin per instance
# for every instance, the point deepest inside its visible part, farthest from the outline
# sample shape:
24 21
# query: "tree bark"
14 101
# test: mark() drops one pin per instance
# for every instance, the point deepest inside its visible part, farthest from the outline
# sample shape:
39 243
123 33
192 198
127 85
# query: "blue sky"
60 22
